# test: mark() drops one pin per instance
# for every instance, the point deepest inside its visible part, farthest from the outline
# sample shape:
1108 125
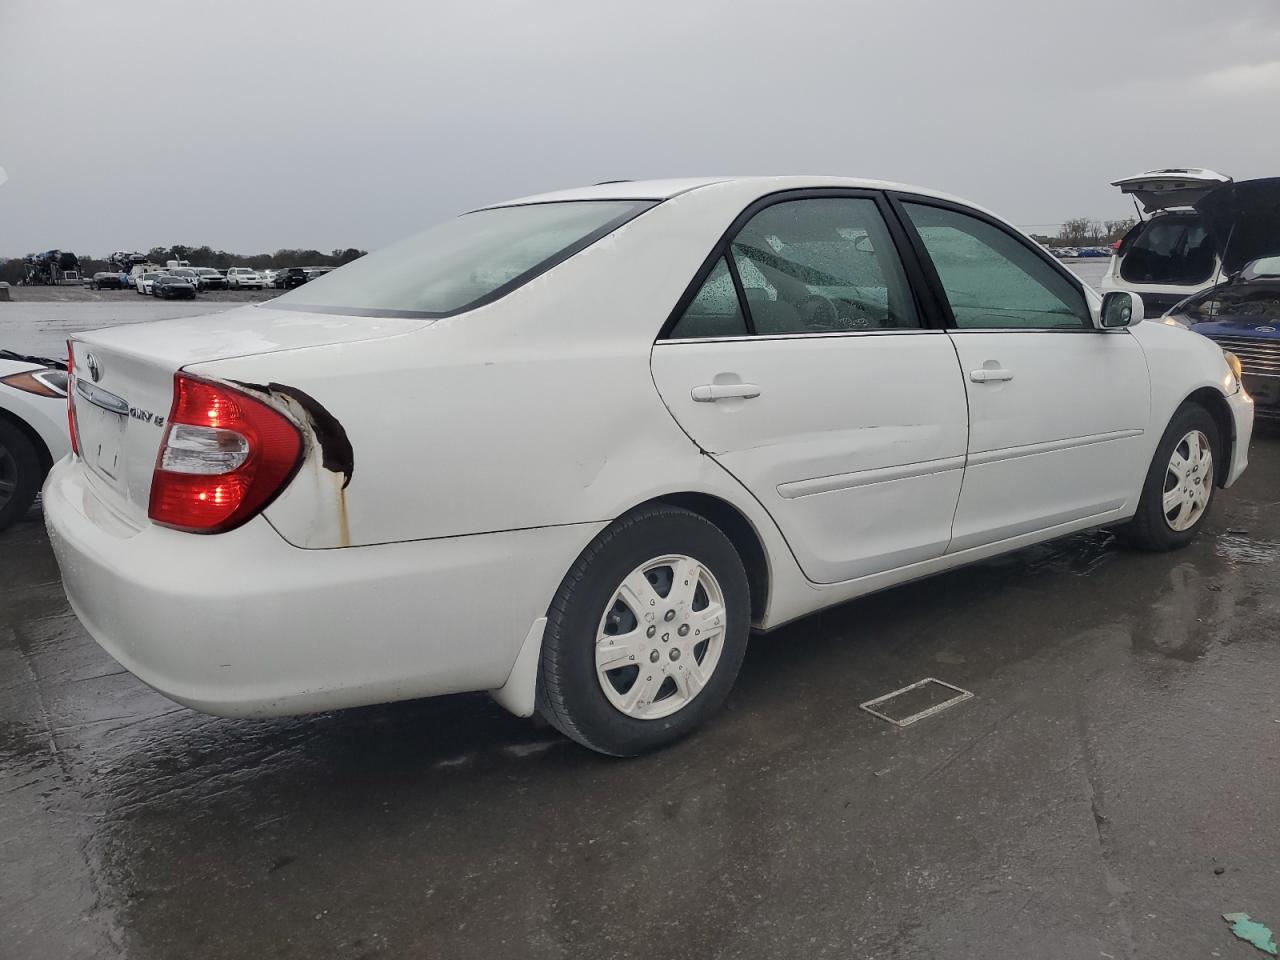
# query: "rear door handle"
711 392
990 375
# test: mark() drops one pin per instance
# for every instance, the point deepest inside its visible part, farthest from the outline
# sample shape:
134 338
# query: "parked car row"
200 279
1075 253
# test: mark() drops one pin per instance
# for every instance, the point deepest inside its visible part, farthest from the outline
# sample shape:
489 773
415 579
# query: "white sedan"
33 428
571 449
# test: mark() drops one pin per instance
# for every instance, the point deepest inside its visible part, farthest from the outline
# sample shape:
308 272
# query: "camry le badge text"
146 416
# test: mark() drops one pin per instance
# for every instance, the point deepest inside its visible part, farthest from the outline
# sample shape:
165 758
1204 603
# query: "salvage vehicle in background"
268 277
106 281
210 279
287 278
246 277
143 281
189 274
173 287
33 428
646 418
1171 255
1242 313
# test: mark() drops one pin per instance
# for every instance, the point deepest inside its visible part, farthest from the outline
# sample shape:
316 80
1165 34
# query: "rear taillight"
225 456
73 429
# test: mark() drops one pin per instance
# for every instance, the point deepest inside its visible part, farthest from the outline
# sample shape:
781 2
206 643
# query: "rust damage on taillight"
323 433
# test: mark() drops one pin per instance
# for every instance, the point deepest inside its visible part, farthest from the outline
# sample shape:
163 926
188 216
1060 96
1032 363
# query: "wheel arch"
1216 404
733 523
518 693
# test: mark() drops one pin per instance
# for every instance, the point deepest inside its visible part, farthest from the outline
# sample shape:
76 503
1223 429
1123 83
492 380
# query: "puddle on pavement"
1238 547
1080 554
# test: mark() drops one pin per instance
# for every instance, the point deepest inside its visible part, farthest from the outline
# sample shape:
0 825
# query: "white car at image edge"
572 448
33 429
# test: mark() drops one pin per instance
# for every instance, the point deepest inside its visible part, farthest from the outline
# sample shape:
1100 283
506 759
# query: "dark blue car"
1243 312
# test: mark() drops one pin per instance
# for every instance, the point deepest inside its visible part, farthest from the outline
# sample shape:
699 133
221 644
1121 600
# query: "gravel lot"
1112 789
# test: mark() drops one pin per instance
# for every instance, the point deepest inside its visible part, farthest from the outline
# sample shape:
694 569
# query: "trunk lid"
123 382
1170 187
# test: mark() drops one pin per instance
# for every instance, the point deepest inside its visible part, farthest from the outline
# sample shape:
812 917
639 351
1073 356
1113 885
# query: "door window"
822 265
714 311
991 279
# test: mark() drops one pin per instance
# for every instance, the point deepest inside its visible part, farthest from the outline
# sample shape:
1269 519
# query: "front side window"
992 280
463 262
821 265
714 311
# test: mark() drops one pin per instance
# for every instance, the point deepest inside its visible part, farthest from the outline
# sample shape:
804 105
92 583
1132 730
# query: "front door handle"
711 392
990 375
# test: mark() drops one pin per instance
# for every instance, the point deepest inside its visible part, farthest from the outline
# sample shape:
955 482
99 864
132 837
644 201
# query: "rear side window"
991 279
462 263
1169 249
821 265
714 310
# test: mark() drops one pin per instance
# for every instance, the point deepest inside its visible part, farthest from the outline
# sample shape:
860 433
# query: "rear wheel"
1180 483
646 634
20 473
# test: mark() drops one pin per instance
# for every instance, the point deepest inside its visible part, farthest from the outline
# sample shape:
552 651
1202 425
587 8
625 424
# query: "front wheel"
646 634
1179 487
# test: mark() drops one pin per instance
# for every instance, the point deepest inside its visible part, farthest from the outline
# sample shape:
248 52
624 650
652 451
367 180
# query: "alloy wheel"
661 637
1188 481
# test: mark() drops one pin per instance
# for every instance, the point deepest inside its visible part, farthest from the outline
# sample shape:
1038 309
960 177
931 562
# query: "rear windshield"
1169 249
464 262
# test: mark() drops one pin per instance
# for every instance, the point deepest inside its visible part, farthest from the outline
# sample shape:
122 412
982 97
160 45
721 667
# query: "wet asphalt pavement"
1110 791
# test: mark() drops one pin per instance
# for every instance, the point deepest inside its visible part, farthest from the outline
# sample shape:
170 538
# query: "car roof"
666 189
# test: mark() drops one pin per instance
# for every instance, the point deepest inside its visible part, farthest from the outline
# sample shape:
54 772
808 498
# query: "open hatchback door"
1171 187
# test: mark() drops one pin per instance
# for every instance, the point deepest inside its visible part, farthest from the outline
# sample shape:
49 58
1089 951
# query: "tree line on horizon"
1083 232
14 269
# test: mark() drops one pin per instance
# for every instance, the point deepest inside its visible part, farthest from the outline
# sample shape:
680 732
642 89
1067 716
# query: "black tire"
569 692
21 466
1150 528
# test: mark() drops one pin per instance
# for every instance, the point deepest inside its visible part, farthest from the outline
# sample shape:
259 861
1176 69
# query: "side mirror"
1120 309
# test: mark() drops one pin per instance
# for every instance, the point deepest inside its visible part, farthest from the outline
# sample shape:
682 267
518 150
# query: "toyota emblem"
95 368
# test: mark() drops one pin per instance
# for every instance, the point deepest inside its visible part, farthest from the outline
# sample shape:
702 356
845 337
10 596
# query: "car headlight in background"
50 382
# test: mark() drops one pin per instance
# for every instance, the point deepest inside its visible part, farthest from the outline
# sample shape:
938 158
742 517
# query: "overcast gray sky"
257 125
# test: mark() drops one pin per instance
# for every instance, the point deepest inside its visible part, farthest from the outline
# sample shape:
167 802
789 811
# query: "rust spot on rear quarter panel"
336 453
323 431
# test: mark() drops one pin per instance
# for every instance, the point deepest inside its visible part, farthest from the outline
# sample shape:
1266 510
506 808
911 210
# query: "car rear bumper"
244 624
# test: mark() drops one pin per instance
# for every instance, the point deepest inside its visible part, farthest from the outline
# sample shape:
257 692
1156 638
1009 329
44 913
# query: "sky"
252 126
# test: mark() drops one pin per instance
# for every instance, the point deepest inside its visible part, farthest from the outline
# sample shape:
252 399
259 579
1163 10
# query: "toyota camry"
574 448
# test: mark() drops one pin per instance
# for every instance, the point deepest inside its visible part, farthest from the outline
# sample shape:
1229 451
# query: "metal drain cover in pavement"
916 701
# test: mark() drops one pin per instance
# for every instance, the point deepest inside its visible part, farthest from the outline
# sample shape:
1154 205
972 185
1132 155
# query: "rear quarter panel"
537 410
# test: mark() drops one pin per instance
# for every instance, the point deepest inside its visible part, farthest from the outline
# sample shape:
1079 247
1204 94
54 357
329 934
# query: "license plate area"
102 419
